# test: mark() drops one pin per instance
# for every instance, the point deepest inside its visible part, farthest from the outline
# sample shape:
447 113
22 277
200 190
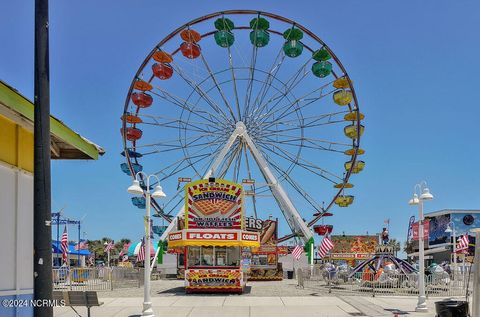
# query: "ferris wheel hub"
240 127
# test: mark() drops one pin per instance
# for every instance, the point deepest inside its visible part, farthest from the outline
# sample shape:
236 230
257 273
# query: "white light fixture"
158 192
135 188
426 194
414 200
448 230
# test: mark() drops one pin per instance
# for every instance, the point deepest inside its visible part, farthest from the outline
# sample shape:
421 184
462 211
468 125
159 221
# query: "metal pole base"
421 305
147 310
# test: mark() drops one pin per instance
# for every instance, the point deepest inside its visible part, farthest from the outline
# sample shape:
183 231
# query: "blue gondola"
139 202
132 153
136 167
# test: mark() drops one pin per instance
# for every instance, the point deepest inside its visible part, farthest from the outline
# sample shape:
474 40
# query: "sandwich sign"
213 204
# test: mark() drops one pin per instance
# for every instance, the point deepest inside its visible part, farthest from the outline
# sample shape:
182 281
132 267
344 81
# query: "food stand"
213 237
264 264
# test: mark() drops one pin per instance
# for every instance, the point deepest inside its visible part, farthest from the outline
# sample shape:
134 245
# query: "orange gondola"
162 70
142 100
130 118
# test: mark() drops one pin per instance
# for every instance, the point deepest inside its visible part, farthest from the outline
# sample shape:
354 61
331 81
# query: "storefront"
209 243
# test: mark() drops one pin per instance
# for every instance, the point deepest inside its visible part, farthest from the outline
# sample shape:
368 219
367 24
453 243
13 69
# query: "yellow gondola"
354 116
344 200
342 97
343 185
357 167
352 151
341 82
351 131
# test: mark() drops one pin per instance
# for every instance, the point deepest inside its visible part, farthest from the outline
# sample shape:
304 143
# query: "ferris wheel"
251 97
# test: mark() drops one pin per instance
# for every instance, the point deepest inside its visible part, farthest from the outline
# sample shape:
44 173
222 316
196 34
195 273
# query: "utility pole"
42 231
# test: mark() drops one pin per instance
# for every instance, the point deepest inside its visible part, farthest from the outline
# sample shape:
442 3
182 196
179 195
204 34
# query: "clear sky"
414 65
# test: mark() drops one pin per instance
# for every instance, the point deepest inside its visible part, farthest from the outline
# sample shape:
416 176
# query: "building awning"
71 249
213 237
65 143
430 251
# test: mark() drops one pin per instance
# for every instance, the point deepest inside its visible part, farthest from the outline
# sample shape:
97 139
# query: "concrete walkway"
243 306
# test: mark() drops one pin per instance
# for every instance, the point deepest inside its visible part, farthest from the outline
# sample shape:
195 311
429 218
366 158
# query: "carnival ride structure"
252 97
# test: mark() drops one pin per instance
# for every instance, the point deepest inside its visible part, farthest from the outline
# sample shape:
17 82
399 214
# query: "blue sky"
414 65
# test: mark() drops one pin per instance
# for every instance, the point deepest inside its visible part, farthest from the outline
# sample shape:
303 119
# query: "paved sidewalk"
249 306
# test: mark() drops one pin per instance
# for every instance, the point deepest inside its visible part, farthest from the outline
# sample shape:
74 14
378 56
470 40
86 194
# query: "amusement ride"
252 97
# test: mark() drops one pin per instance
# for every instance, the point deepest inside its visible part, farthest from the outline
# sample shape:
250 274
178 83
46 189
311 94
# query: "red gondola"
323 229
132 134
162 70
142 100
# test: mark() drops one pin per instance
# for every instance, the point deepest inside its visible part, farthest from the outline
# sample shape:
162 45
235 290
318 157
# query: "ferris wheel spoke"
235 91
238 162
200 92
306 121
294 128
229 158
248 94
297 187
178 148
293 138
179 123
184 105
297 160
286 110
271 76
290 84
249 173
176 140
219 88
303 141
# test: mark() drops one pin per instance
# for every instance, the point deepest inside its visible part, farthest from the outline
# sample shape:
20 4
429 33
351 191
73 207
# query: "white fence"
441 285
96 279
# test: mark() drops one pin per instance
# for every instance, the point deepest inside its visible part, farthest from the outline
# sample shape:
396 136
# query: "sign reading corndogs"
215 204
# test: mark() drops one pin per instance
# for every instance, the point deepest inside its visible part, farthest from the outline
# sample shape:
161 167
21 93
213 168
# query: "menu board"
213 204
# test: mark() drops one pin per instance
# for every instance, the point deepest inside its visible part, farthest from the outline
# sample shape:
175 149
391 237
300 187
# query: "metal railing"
386 284
96 279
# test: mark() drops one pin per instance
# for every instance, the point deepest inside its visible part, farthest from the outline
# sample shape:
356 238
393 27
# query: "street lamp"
454 249
424 195
135 189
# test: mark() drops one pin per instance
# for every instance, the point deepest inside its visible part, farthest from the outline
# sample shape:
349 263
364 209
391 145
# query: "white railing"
441 285
96 279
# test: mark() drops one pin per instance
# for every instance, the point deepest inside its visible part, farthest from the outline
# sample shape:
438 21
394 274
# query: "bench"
87 299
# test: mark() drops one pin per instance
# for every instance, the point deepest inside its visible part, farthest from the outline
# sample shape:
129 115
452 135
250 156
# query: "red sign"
175 236
206 235
426 228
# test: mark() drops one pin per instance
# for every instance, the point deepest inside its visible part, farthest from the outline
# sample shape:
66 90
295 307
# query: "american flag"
325 246
109 246
83 245
297 252
463 243
124 249
141 253
386 221
64 245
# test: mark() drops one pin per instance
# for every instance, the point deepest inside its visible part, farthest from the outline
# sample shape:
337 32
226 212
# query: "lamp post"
135 189
424 195
454 248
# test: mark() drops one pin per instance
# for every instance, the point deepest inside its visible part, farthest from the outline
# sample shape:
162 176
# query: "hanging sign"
214 203
426 229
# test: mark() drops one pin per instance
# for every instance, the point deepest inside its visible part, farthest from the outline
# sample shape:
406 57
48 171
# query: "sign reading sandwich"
213 204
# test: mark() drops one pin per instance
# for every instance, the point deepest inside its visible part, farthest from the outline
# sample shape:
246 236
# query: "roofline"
451 211
12 99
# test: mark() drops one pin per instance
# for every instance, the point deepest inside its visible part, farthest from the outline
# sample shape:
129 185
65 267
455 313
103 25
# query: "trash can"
290 275
451 308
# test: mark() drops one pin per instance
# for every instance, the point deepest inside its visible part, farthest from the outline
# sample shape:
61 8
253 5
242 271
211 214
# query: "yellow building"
16 189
